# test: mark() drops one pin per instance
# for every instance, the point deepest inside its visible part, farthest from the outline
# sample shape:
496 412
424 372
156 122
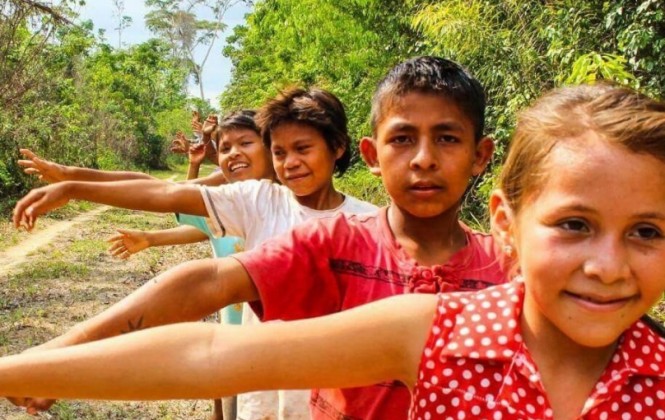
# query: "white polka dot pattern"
484 371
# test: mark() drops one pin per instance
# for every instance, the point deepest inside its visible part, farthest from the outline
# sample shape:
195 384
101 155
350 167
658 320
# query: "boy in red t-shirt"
427 144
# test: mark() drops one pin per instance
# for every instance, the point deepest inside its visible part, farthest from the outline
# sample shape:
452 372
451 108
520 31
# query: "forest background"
77 98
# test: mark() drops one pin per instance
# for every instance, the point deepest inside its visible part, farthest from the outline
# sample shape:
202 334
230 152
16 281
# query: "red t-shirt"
329 265
475 365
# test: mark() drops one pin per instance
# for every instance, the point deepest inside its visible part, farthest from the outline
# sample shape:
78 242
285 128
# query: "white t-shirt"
256 211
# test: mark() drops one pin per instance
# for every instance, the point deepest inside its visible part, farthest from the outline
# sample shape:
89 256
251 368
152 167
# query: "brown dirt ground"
70 277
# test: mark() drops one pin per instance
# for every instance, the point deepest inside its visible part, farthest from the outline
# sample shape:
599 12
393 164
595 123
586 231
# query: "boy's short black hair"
314 107
238 120
432 75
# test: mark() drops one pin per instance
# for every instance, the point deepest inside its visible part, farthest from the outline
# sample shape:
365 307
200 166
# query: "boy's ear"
484 152
368 152
339 152
502 218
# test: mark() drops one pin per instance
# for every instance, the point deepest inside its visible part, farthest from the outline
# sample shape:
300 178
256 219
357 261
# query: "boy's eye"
448 139
246 143
574 225
400 140
646 232
278 153
225 149
303 148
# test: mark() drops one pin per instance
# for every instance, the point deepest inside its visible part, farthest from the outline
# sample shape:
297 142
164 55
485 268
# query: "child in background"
428 124
570 339
306 130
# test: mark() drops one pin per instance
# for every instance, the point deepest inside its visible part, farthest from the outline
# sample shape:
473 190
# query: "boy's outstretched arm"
127 241
373 343
51 172
147 195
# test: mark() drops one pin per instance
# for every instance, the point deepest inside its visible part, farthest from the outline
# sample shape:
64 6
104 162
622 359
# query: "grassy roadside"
74 278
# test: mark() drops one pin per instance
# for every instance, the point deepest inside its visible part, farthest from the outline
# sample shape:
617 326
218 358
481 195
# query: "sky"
217 71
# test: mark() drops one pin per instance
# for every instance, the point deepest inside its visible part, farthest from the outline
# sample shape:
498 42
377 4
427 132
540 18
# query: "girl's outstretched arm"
373 343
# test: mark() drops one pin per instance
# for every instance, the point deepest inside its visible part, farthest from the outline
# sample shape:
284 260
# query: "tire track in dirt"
18 254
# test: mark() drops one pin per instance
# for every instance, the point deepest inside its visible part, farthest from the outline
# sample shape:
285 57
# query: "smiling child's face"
426 153
591 241
243 156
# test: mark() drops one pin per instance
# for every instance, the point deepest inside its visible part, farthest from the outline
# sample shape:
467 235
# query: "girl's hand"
127 242
46 170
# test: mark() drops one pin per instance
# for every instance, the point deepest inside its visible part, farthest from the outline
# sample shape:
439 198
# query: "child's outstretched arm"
146 195
127 241
373 343
51 172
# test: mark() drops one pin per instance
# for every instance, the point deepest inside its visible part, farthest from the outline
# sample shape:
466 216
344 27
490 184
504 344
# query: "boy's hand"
180 144
33 406
127 242
37 202
46 170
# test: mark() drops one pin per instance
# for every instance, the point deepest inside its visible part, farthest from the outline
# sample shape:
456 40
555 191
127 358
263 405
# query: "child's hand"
180 144
46 170
33 406
127 242
209 124
37 202
197 154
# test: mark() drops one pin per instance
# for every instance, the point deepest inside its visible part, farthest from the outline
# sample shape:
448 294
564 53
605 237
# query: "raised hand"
46 170
209 124
37 202
197 153
180 144
127 242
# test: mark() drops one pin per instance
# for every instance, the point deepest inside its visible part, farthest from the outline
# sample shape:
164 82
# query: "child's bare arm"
146 195
127 241
212 180
366 345
49 171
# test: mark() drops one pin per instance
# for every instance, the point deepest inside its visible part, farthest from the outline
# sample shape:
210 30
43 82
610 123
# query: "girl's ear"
502 218
368 152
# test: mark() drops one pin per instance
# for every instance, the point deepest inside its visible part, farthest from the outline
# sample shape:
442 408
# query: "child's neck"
568 370
430 241
326 198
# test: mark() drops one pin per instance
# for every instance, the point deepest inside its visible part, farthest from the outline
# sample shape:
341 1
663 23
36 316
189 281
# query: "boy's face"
243 156
425 152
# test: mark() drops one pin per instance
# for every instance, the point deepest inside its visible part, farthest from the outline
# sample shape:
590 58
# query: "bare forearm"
146 195
192 171
212 180
75 173
163 363
187 292
180 235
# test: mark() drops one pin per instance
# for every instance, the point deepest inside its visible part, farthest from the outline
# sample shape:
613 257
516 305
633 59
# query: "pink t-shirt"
475 365
325 266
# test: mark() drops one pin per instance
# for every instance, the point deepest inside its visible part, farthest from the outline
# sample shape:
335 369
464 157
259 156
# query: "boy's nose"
291 161
608 261
424 157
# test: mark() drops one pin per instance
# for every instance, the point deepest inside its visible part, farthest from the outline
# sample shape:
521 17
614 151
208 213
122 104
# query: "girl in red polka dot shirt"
580 208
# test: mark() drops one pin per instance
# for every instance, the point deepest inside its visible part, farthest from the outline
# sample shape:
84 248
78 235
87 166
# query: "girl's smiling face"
590 241
243 156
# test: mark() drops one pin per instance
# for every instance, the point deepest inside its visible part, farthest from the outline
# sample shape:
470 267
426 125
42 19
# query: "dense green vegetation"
73 96
517 49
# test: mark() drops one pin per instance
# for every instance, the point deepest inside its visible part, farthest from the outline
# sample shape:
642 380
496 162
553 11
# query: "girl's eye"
225 149
246 143
574 225
278 153
647 232
302 149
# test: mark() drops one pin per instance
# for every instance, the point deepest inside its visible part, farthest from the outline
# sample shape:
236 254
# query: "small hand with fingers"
37 202
180 144
127 242
46 170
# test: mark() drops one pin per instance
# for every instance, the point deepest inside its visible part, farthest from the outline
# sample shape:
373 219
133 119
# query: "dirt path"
16 255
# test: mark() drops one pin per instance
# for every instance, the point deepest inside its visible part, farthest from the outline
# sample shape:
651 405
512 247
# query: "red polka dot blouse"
475 365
